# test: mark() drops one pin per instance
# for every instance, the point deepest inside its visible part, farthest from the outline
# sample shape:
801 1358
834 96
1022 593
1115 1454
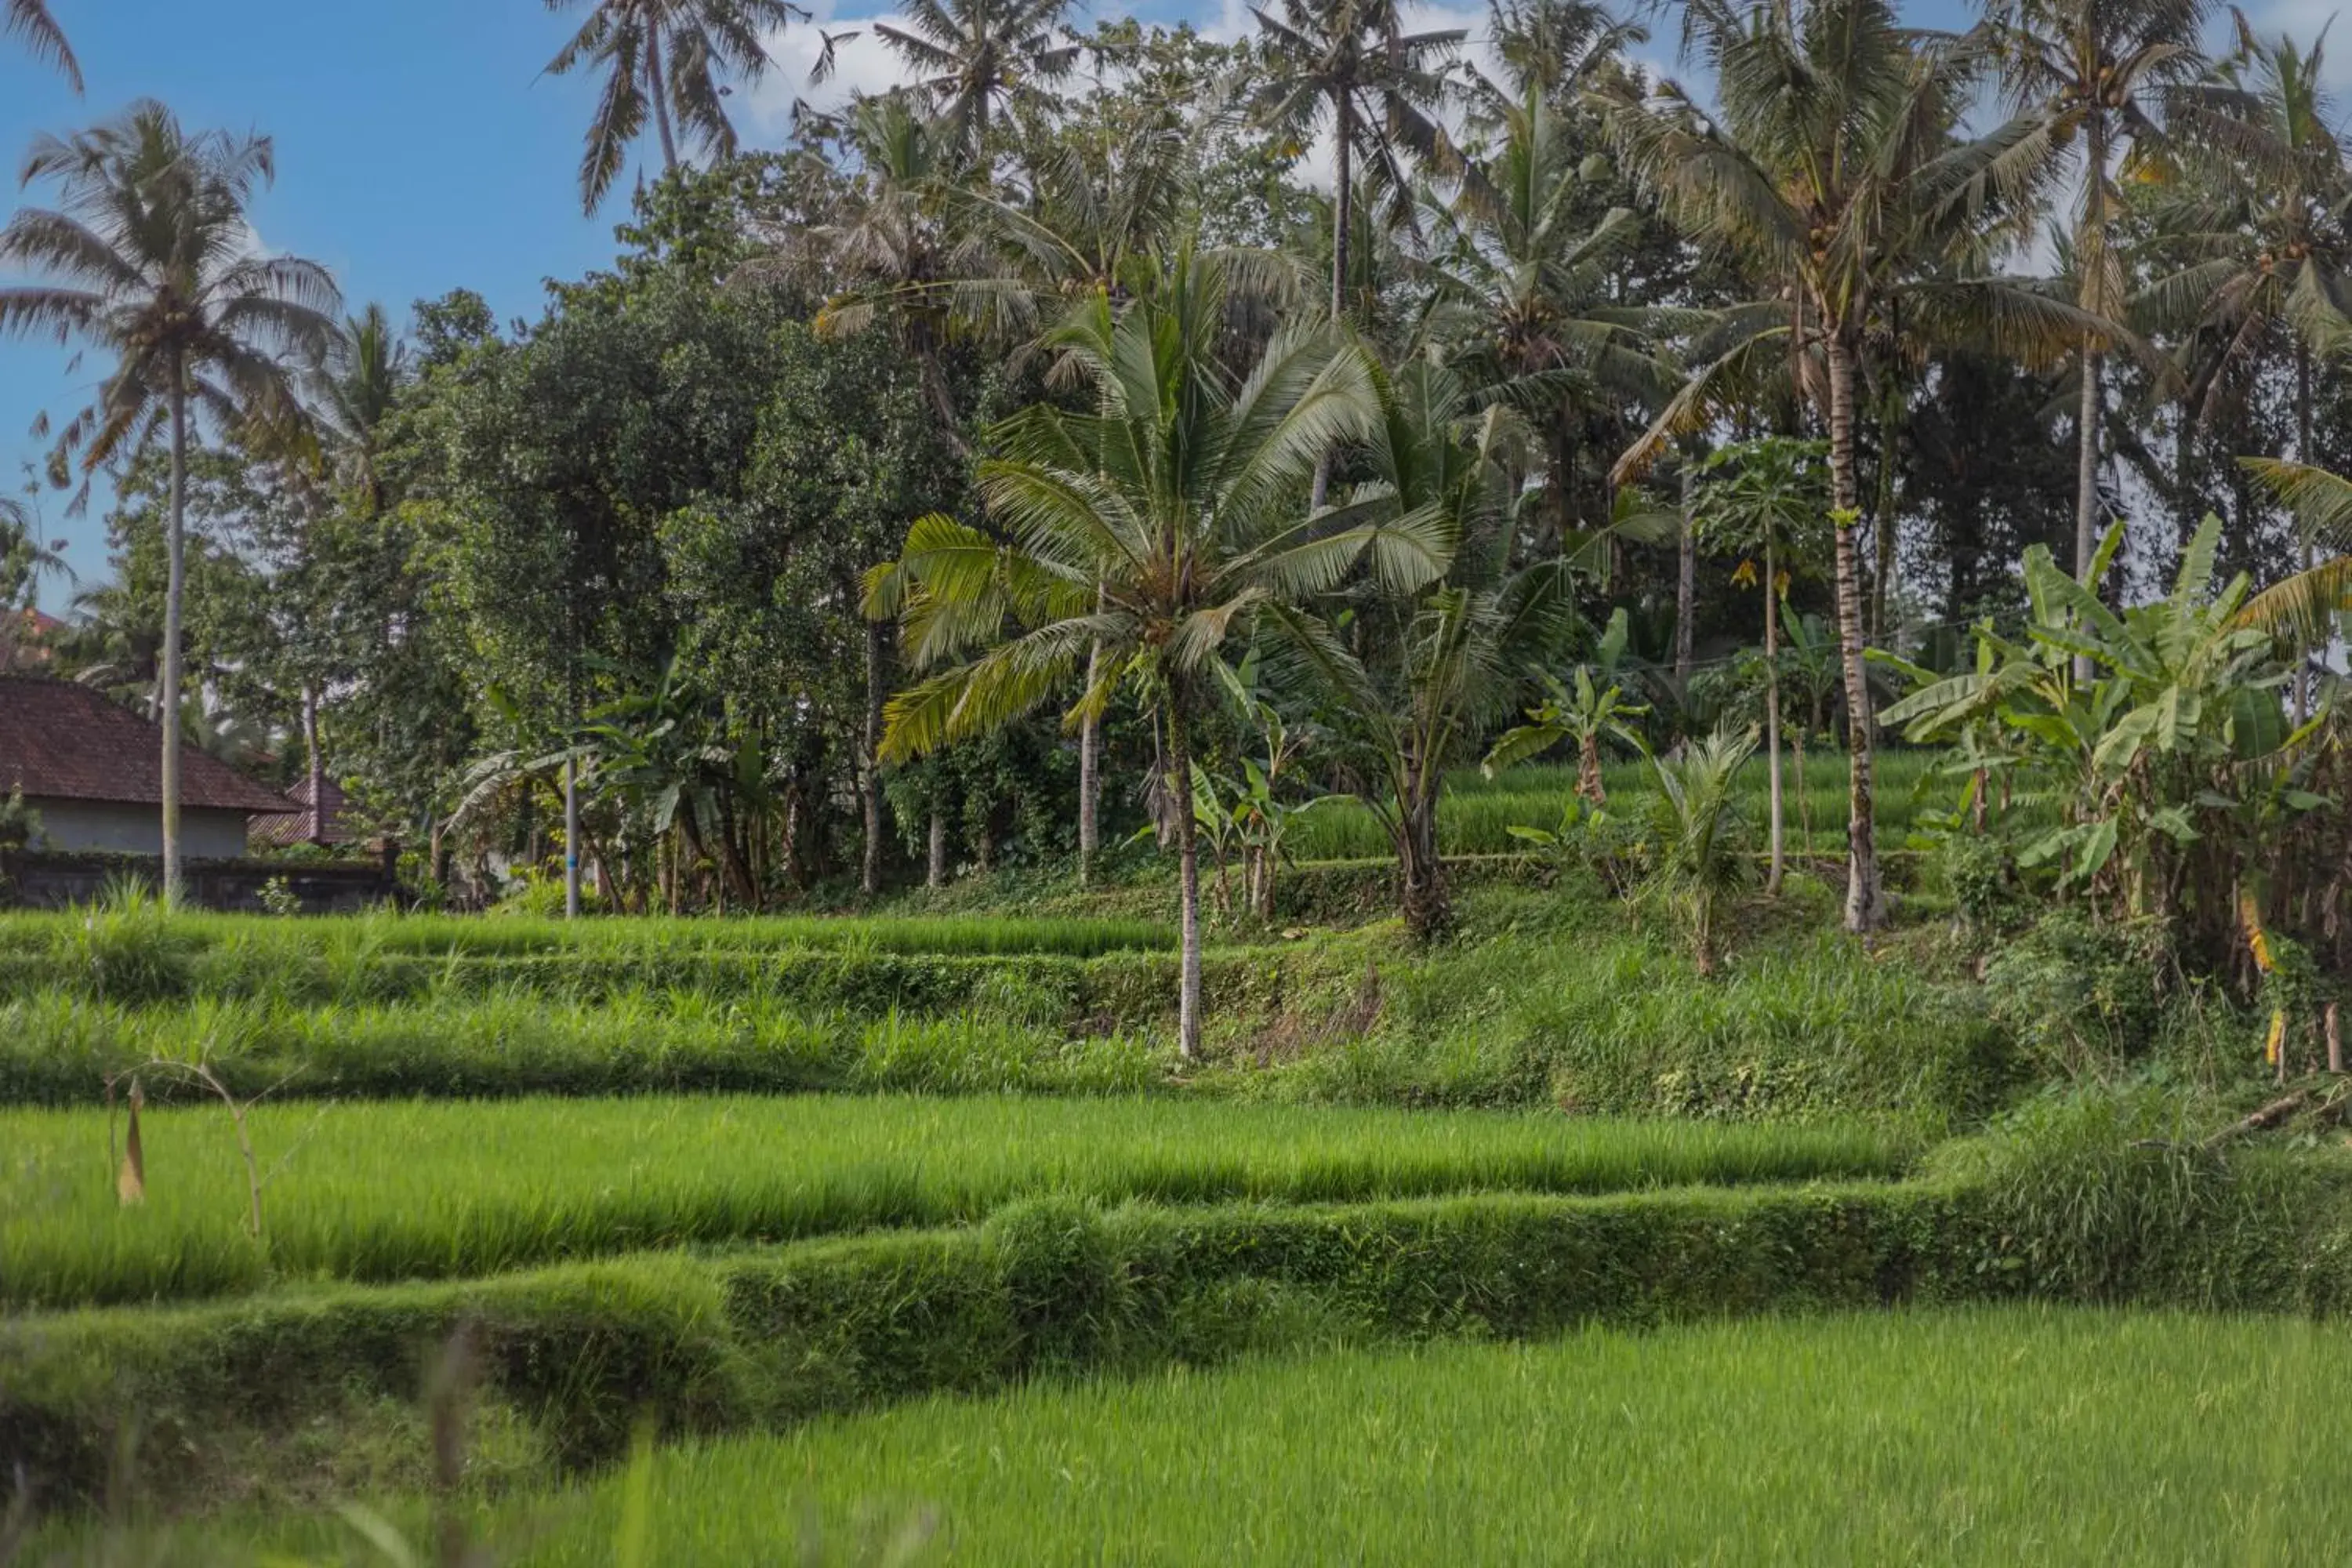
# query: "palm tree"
29 23
351 394
1524 286
1446 635
889 252
150 257
1155 526
1695 818
2267 228
970 56
1834 172
2085 70
666 56
1381 88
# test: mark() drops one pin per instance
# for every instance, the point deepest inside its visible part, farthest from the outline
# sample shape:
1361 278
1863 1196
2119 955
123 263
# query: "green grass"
391 1191
1476 815
1983 1437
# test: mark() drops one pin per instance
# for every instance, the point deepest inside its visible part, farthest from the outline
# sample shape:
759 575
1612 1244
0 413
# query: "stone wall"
49 880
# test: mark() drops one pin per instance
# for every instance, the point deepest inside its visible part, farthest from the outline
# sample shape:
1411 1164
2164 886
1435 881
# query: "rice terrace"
1000 783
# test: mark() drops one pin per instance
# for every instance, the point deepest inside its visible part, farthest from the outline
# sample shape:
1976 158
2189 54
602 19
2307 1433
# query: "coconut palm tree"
351 392
2265 222
1834 171
666 56
1523 279
2088 72
1351 62
972 57
1446 639
149 256
1157 526
29 23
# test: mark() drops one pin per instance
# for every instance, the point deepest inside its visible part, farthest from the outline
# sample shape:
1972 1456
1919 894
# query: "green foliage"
2172 764
1698 833
2081 998
20 825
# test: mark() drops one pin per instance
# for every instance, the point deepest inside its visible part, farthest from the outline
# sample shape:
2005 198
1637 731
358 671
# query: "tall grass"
1985 1436
388 1192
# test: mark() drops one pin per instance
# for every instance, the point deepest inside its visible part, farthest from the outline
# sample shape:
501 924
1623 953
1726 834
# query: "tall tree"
149 256
1835 169
1350 64
2088 72
972 57
666 56
2266 229
1155 525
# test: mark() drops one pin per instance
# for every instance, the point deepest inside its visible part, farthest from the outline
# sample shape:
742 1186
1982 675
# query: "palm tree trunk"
1686 583
1773 713
1882 575
870 782
1343 217
2086 475
2302 679
1428 906
317 764
174 588
1188 862
1865 906
658 90
571 837
936 868
1089 765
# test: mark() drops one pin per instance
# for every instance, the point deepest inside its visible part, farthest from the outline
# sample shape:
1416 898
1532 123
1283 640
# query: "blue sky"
419 150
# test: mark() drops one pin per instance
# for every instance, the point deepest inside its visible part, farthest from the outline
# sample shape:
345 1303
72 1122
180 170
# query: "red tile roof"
68 742
289 831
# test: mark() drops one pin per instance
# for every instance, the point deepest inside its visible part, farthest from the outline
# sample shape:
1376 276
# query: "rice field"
1986 1436
1476 815
381 1192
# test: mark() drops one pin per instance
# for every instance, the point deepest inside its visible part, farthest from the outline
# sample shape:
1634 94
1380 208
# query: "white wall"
114 828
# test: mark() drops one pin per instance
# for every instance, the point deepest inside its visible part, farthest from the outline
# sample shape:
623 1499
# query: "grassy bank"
1984 1436
409 1189
247 1395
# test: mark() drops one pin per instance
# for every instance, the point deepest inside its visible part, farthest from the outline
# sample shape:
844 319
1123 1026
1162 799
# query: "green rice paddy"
389 1190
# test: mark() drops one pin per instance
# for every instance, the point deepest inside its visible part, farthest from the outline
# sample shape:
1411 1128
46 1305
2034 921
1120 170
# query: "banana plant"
1581 709
2164 758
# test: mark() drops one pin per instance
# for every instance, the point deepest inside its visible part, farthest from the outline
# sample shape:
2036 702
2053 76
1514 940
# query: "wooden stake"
131 1180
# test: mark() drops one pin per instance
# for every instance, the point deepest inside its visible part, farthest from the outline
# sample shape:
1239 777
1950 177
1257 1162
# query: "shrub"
2081 997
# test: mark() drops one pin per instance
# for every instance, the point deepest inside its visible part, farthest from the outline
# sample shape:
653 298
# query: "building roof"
63 741
285 832
25 636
